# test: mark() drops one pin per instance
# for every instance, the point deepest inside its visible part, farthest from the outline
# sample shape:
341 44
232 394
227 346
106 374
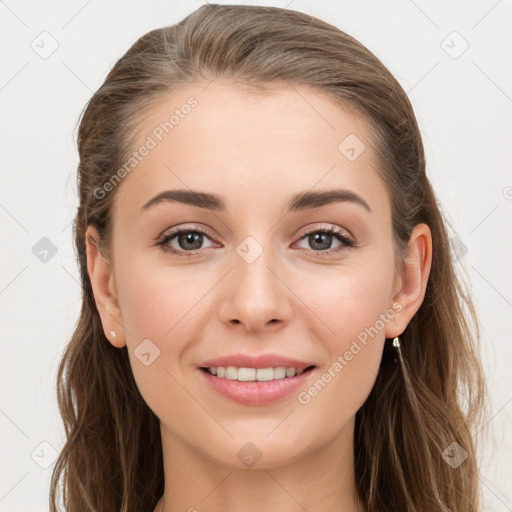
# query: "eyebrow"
301 201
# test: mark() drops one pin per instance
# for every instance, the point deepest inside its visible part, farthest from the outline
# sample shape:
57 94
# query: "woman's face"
260 277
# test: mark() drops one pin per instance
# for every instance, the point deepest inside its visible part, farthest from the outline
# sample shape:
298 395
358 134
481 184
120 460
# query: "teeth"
253 374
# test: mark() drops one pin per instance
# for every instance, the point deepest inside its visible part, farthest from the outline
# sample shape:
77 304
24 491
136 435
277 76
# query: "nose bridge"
255 295
253 261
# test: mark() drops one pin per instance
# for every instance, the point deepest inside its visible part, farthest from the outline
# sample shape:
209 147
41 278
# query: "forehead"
222 138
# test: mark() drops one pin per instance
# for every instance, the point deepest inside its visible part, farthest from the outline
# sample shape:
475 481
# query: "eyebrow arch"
309 200
301 201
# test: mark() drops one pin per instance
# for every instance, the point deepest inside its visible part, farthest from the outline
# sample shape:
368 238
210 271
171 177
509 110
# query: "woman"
271 318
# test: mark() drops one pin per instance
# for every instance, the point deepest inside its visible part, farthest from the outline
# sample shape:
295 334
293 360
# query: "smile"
254 374
253 386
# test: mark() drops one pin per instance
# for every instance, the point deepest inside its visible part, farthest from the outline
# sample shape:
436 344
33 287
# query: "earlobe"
105 294
413 279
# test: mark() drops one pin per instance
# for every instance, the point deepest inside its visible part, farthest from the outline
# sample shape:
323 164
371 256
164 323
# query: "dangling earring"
396 344
113 334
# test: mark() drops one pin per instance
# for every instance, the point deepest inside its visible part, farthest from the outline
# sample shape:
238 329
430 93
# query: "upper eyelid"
334 227
186 228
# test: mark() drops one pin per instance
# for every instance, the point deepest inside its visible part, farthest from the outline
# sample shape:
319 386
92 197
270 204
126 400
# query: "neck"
319 482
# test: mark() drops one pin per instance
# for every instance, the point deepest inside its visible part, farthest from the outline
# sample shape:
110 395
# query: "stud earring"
113 334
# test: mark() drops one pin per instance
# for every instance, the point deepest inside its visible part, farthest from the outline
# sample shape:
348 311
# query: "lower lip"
256 393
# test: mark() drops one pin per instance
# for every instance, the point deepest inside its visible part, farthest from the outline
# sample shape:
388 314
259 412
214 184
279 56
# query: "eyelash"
347 243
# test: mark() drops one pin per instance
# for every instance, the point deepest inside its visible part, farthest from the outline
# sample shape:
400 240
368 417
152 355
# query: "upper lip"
261 361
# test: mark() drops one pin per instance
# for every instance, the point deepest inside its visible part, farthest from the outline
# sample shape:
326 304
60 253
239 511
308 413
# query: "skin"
256 151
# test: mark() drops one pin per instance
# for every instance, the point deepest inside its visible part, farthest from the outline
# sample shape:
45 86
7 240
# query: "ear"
412 281
102 281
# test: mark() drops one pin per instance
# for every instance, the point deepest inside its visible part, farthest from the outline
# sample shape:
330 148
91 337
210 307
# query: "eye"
188 241
321 240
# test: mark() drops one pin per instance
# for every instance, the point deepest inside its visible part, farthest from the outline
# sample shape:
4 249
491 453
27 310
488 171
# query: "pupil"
318 236
192 238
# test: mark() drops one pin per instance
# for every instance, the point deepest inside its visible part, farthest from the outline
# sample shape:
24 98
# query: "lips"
258 393
262 361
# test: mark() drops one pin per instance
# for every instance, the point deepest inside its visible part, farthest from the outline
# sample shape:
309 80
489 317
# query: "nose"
255 295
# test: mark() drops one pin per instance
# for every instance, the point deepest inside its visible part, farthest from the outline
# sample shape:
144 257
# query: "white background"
463 106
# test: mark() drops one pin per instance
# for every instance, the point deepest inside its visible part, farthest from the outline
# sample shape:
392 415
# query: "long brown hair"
112 457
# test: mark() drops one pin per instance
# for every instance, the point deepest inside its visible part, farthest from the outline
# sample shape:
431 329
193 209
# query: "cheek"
157 300
157 308
351 311
354 352
347 304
